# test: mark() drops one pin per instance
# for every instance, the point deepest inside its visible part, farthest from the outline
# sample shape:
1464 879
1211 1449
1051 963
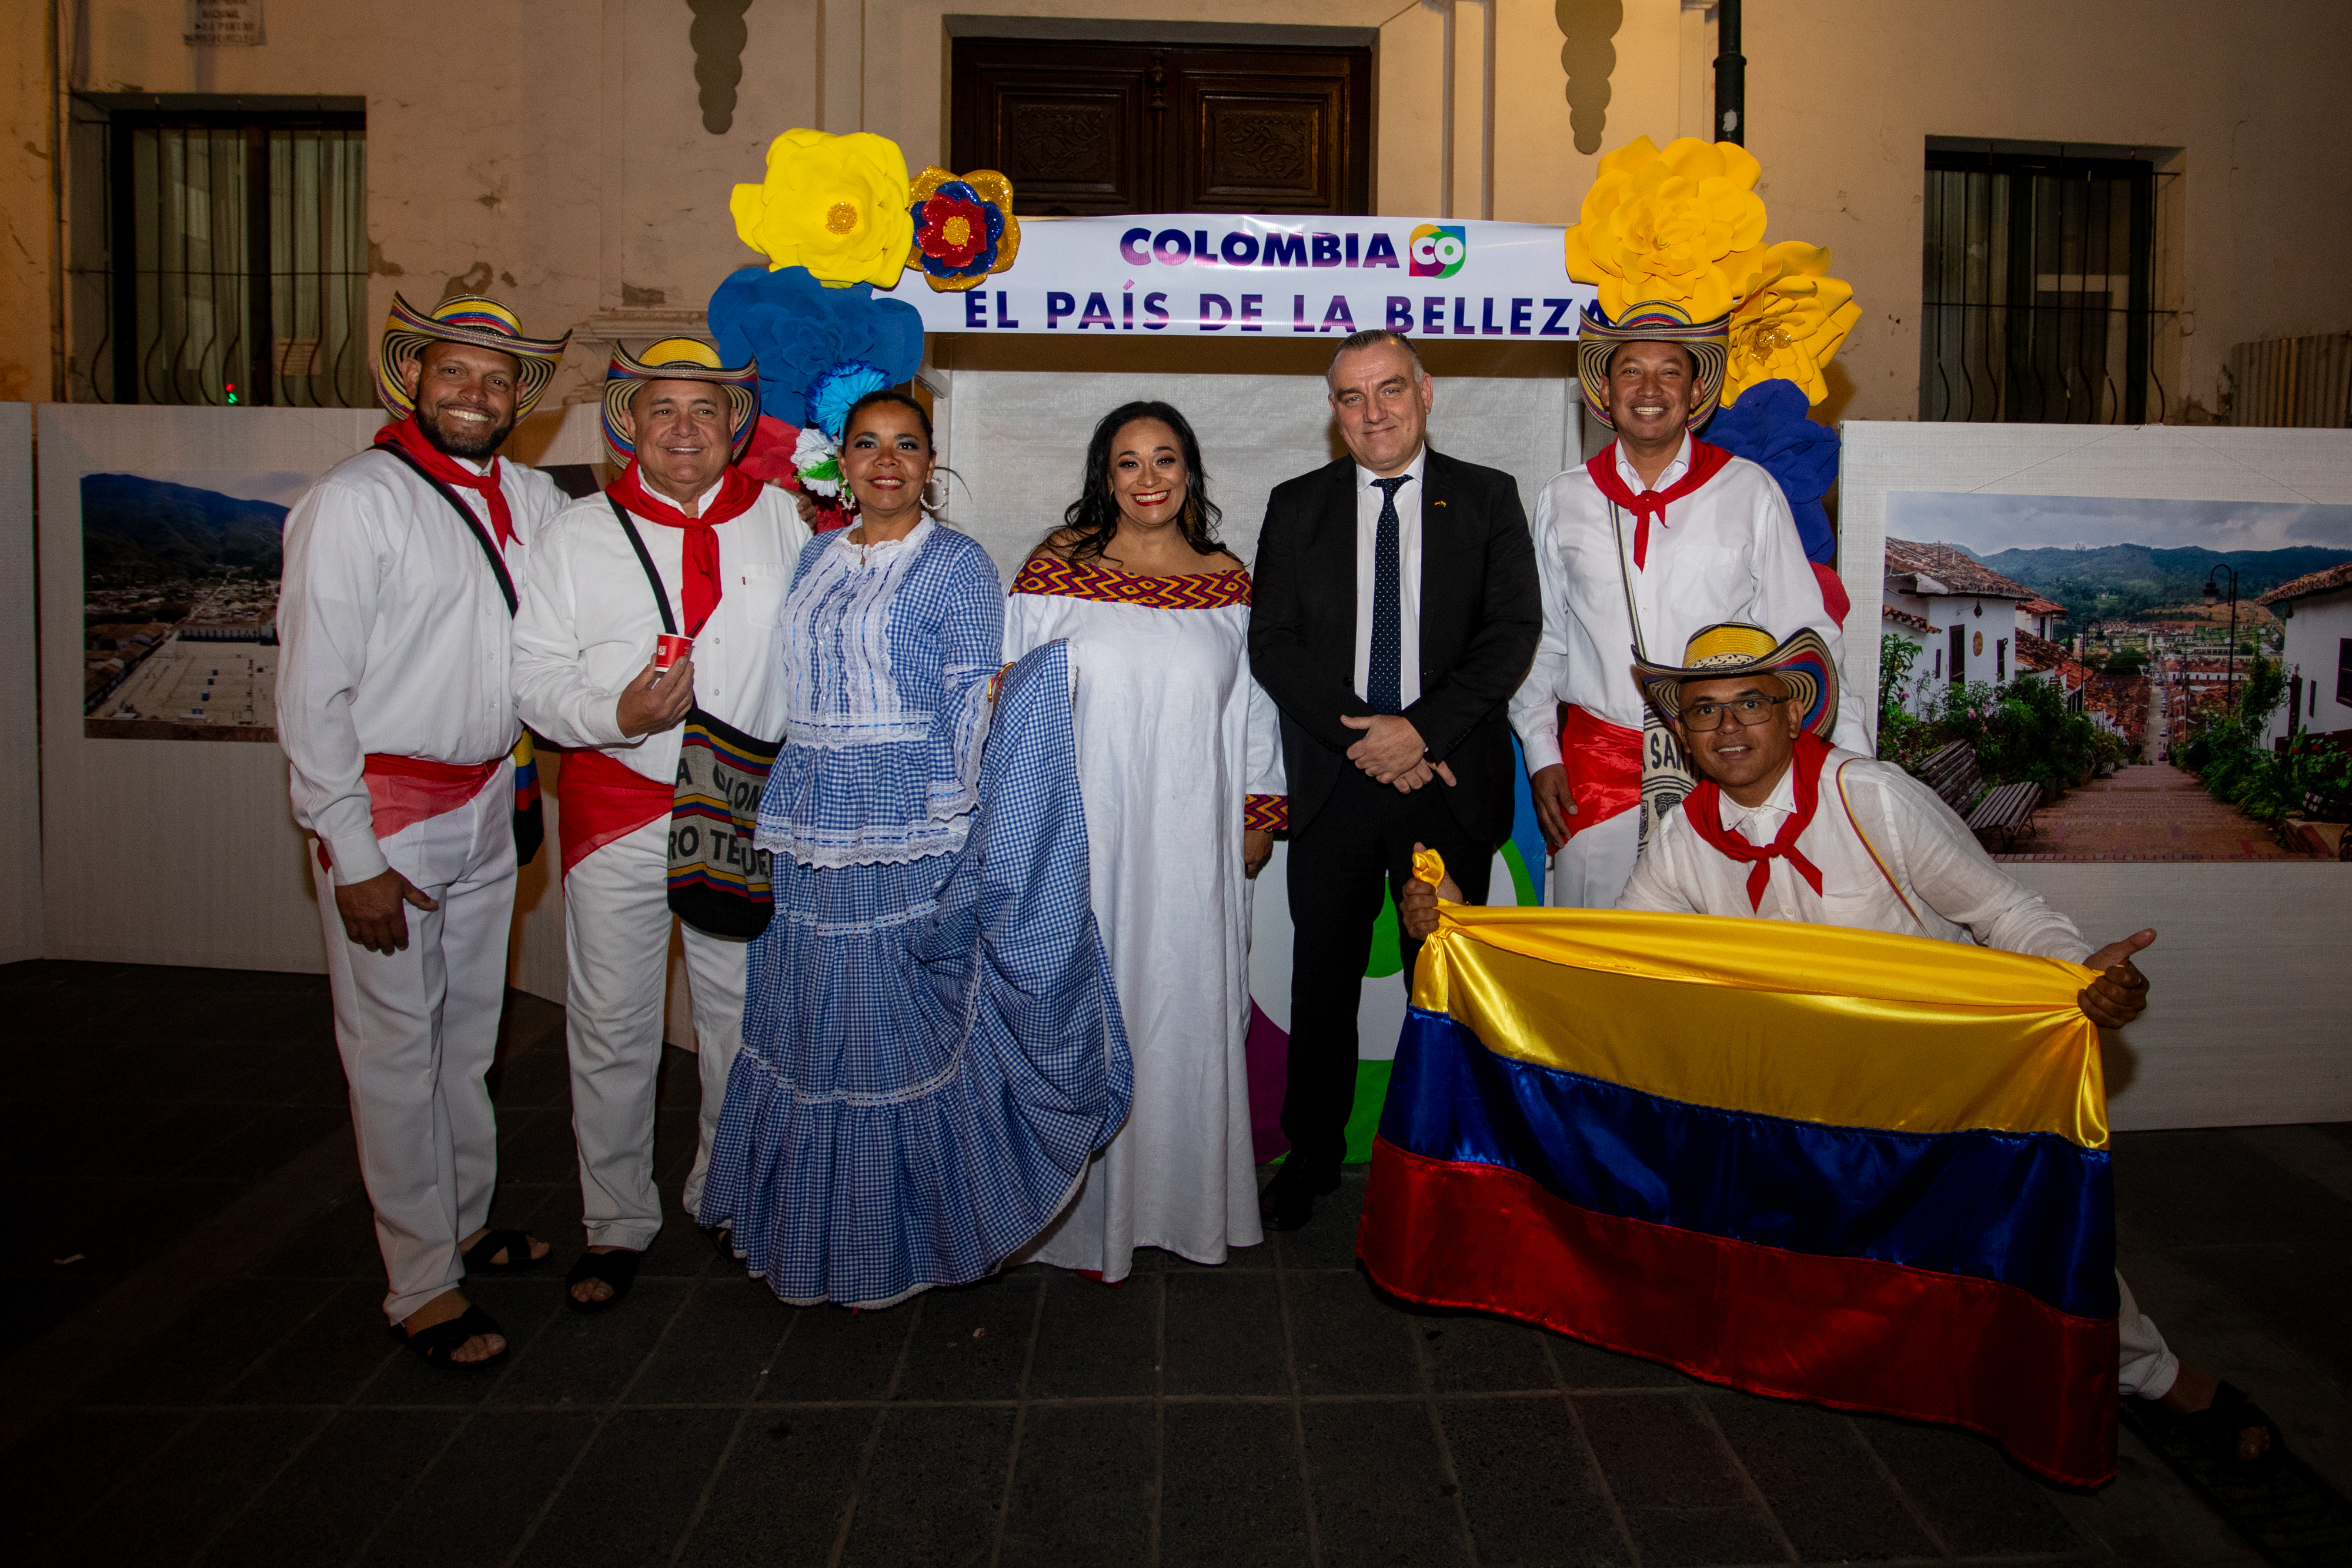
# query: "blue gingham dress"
932 1049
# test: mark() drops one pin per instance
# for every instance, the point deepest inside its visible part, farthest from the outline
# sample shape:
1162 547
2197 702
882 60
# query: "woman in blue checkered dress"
911 1106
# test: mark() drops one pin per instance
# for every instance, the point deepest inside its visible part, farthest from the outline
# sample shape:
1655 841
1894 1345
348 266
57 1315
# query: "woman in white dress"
1181 766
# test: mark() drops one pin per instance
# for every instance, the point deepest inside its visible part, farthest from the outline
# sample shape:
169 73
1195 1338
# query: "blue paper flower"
829 401
799 331
1768 426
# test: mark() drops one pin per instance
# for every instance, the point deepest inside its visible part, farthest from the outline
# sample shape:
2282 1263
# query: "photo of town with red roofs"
180 604
2171 683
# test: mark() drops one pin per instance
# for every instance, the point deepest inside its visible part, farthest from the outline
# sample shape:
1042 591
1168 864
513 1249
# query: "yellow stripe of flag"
1849 1028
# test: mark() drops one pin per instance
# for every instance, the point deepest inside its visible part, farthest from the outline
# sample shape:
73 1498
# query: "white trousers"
617 926
2146 1367
1592 868
418 1031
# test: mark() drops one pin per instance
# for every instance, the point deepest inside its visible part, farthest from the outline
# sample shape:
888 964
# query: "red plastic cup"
668 650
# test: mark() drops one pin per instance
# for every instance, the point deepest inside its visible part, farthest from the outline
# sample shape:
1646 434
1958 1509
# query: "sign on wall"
1196 273
223 22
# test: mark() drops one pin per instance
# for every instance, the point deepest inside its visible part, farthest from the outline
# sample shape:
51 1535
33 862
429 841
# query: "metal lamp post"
2212 598
1730 76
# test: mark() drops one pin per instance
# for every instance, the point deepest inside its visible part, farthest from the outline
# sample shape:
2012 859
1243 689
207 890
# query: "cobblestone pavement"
2145 811
1275 1410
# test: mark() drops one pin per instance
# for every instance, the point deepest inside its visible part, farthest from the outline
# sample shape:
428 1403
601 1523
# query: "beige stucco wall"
561 147
26 207
553 155
1844 93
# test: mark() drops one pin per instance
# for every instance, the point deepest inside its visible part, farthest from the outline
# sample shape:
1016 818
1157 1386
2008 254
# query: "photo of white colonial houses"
2174 682
2316 610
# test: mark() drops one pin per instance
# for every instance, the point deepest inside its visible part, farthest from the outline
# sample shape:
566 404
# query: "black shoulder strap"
473 524
637 543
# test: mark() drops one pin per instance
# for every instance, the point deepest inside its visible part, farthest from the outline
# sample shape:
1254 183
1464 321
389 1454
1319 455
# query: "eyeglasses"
1745 712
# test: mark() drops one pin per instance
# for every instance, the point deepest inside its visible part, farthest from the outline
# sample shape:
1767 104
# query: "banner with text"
1195 272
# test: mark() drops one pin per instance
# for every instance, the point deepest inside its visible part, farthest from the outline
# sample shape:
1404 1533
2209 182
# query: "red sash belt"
1604 766
600 799
405 791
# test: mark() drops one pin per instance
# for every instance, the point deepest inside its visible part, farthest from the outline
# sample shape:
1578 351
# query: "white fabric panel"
2248 992
172 852
20 754
1018 440
166 852
555 437
2154 462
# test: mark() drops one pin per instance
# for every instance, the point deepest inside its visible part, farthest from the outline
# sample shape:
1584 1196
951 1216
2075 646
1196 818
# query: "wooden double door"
1082 128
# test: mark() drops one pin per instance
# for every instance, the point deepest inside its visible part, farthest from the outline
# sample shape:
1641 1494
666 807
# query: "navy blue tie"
1384 681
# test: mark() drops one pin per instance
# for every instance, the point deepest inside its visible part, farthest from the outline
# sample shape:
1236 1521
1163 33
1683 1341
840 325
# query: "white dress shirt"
394 637
1367 535
589 621
1956 889
1730 552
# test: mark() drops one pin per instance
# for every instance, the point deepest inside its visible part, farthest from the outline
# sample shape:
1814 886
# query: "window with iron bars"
219 251
2038 299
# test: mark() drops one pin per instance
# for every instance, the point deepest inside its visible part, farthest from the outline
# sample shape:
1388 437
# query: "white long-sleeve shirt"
395 636
1960 893
1729 552
588 624
1368 501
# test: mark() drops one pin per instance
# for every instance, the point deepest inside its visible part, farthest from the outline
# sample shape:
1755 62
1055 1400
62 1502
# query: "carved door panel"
1254 132
1139 127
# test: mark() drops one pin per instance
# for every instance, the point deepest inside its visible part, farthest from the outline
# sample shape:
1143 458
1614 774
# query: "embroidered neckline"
1085 579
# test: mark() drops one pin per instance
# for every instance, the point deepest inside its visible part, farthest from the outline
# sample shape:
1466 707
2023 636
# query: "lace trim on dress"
1086 580
866 846
841 735
922 911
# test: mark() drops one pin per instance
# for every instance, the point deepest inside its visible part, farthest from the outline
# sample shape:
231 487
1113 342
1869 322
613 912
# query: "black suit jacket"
1481 613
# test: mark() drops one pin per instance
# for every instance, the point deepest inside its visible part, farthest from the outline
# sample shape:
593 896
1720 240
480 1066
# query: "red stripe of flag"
1851 1332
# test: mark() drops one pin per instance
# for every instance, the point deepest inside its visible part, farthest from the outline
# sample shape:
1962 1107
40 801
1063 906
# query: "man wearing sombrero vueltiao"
1659 534
1786 826
396 706
722 545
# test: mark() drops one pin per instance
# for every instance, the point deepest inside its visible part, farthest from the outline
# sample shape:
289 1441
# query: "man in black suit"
1395 610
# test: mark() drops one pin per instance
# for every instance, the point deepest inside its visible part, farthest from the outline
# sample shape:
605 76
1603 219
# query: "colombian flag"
1863 1170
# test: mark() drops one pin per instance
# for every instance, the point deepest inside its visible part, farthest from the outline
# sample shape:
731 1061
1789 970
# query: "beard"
462 443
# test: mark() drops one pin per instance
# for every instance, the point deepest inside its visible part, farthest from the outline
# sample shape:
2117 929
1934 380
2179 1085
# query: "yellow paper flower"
1789 328
1684 225
834 205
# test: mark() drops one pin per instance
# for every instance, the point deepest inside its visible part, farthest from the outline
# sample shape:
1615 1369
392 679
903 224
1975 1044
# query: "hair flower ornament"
834 205
830 399
1678 233
1683 226
1788 330
800 331
817 459
964 227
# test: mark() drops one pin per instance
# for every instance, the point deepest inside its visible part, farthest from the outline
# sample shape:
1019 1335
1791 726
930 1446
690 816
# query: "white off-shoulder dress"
1178 749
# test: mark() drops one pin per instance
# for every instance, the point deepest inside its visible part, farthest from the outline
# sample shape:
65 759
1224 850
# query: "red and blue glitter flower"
964 227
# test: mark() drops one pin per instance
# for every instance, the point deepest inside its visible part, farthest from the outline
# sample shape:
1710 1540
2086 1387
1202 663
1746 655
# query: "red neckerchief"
1703 807
699 565
411 439
1705 462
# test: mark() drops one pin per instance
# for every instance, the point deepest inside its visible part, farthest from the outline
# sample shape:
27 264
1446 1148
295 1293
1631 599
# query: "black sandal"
617 1268
436 1345
515 1244
2228 1417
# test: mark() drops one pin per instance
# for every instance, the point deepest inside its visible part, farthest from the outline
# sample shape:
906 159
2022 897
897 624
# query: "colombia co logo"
1437 250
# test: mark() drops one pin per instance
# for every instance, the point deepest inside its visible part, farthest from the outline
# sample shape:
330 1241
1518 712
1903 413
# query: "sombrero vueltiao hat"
1653 321
463 319
1734 648
678 359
